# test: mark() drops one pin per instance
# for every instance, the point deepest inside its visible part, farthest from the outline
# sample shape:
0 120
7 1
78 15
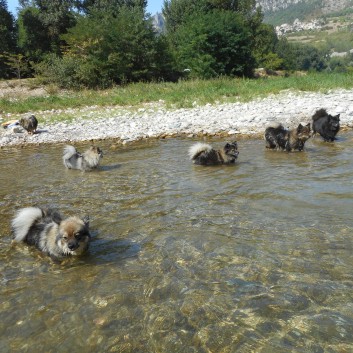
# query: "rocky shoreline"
155 121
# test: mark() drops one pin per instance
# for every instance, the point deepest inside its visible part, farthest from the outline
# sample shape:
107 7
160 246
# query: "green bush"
59 71
214 44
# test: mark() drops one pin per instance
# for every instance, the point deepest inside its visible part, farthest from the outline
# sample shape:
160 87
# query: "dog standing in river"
204 154
84 161
277 137
50 232
326 125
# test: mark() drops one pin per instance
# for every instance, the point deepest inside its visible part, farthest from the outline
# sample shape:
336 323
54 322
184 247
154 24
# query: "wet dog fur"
204 154
47 230
86 161
279 138
326 125
29 124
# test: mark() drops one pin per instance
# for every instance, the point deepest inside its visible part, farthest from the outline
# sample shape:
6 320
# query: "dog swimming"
83 161
47 230
204 154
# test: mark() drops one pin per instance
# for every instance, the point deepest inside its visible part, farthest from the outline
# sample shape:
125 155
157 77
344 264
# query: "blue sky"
153 6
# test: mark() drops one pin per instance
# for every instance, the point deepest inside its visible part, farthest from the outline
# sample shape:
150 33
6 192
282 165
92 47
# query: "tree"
215 43
7 37
42 22
297 56
177 12
17 64
33 38
264 46
107 49
112 6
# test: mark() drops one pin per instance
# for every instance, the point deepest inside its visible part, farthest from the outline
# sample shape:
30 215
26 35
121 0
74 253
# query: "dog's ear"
300 127
338 116
308 125
86 220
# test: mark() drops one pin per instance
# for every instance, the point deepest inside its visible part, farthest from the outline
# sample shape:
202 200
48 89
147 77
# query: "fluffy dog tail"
24 220
69 151
197 149
319 114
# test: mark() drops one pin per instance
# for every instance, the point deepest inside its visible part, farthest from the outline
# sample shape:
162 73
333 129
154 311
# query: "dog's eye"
77 235
65 237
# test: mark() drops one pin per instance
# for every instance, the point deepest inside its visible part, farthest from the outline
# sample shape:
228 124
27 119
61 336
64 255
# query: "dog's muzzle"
73 245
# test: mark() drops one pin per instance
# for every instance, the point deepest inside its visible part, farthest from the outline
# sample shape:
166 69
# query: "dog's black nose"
73 246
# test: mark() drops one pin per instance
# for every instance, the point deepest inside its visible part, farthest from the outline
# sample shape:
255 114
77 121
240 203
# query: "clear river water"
254 257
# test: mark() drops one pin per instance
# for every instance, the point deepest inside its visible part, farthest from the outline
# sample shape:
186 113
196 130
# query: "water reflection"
252 257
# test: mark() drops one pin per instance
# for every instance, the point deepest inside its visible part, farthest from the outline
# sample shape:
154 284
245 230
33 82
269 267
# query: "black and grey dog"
326 125
47 230
204 154
84 161
29 124
277 137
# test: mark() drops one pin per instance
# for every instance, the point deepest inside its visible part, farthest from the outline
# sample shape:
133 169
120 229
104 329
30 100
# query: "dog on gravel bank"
86 161
50 233
279 138
29 124
326 125
204 154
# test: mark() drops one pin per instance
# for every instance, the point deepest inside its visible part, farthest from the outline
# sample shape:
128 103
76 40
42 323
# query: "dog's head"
303 132
231 151
334 122
97 151
73 237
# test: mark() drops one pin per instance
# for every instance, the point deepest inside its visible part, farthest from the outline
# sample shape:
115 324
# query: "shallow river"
256 257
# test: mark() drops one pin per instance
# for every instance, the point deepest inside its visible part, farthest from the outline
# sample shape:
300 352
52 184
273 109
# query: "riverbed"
256 256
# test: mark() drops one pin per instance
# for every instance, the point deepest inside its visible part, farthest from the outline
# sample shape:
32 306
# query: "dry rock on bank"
154 121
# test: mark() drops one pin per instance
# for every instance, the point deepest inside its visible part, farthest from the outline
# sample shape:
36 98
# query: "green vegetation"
100 44
340 40
302 10
183 94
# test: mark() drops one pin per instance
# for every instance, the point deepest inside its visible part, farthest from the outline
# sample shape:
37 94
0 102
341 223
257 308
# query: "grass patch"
183 94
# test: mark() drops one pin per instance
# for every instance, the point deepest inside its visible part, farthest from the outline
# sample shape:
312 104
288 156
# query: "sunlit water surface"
255 257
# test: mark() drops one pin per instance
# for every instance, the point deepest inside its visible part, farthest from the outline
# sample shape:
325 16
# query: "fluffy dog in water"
50 233
85 161
326 125
29 124
282 139
204 154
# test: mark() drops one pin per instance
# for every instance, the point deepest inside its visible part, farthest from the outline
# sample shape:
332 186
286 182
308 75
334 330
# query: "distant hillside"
277 12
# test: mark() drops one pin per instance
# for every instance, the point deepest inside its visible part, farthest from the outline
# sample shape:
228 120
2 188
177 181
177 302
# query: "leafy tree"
109 49
42 22
17 64
215 43
177 12
7 37
33 38
264 42
297 56
112 6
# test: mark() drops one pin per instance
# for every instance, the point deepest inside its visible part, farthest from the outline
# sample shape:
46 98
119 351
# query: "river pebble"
288 108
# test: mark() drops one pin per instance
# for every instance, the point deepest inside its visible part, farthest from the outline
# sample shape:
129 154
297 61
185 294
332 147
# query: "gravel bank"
154 121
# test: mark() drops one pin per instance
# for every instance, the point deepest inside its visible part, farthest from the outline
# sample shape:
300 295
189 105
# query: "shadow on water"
253 257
